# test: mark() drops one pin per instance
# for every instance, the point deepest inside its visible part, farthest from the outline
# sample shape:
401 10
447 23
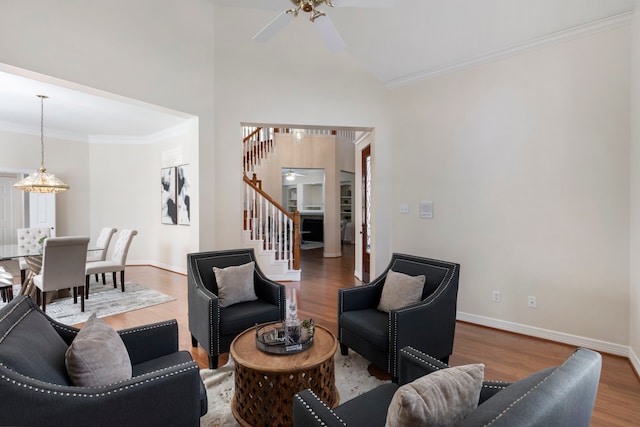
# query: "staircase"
272 232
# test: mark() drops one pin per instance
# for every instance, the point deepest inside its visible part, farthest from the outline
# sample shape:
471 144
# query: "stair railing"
268 221
257 143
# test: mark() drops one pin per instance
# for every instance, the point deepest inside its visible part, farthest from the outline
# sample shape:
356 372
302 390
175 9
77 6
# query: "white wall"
65 159
125 193
292 79
157 51
526 160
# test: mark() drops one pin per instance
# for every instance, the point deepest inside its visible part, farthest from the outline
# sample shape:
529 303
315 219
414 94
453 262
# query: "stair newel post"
296 240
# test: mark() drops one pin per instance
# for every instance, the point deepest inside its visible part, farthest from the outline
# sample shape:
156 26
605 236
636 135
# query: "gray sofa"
559 396
35 389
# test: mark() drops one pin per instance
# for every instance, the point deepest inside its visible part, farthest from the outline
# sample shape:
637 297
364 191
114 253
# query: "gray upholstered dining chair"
29 243
63 262
116 264
102 242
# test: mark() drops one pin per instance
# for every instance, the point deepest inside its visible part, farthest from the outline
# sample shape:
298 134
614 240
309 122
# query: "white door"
7 229
42 211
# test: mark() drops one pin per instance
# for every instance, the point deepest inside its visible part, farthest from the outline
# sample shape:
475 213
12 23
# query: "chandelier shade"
41 181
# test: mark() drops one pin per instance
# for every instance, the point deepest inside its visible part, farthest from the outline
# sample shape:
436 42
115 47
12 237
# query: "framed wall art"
183 196
168 208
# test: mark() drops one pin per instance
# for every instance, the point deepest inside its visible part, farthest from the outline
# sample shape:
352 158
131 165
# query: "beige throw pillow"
97 356
400 290
442 398
235 284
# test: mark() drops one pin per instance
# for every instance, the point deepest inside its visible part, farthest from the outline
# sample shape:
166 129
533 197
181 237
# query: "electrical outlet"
495 296
531 302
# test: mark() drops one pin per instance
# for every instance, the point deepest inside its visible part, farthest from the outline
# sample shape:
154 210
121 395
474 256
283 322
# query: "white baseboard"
635 362
578 341
175 269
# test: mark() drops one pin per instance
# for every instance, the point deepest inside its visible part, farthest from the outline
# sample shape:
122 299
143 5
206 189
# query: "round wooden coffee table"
265 383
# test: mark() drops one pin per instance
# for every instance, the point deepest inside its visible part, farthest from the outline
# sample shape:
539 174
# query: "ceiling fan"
291 175
318 17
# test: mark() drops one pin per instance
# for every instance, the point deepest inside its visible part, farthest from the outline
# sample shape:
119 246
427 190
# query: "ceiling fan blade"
273 27
363 3
329 34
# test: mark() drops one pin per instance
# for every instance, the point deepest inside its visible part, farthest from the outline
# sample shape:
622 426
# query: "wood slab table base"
266 383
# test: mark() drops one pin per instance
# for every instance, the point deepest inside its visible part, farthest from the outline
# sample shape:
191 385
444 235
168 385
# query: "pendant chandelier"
41 181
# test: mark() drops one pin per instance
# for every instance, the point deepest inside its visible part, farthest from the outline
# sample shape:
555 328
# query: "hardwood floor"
507 356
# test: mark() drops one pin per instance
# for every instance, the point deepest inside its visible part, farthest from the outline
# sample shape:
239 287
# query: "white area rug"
311 245
352 379
104 300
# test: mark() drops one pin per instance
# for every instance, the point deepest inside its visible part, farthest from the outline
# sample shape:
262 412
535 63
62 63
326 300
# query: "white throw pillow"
235 284
97 356
400 290
440 399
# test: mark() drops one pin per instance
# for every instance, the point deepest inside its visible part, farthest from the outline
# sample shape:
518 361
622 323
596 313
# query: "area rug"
306 245
352 379
104 300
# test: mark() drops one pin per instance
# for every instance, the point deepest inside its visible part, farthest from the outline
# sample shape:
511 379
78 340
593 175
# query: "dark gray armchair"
559 396
35 389
428 325
214 327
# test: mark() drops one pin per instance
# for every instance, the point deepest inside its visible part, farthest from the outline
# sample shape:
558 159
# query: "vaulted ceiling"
398 41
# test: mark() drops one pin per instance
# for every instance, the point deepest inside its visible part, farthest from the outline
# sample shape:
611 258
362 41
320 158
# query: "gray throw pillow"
440 399
97 356
235 284
400 290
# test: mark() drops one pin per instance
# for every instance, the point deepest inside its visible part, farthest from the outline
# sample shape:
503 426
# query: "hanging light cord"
42 97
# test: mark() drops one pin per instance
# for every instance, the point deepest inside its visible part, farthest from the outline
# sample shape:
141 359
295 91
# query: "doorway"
272 152
23 210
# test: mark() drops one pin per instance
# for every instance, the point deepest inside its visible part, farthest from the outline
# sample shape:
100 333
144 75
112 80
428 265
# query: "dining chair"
115 264
6 285
29 244
63 265
102 242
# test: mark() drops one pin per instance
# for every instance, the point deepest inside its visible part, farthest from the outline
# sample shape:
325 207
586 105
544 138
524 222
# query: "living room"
531 159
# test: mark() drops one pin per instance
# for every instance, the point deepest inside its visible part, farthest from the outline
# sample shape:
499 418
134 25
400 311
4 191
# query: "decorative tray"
271 338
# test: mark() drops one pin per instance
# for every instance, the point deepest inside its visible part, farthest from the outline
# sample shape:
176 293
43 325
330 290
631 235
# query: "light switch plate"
404 208
426 209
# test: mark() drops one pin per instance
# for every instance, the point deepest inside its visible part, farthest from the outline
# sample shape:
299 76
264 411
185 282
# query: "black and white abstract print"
168 195
184 198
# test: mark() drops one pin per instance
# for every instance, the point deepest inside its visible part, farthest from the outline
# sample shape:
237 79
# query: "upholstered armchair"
214 324
36 388
557 396
427 324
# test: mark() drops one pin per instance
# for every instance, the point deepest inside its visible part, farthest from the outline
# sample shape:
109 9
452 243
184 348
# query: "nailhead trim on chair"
394 345
15 307
322 423
149 327
508 408
426 359
192 366
14 325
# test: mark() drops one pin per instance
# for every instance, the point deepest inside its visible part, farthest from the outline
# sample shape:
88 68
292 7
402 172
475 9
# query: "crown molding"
172 132
609 23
